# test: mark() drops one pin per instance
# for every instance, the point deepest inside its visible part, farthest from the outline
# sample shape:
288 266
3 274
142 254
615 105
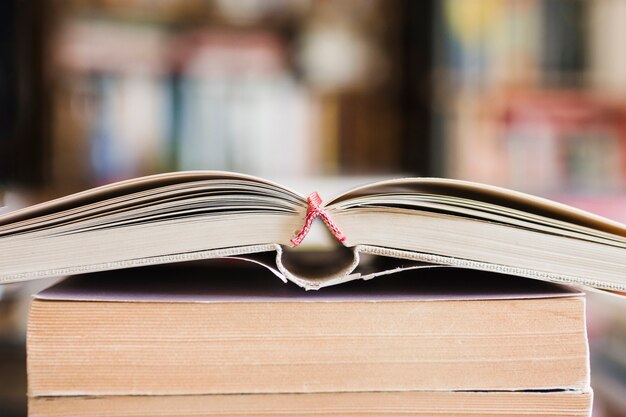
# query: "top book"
415 222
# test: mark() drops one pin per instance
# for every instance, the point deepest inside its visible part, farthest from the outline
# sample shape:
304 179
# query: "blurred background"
526 94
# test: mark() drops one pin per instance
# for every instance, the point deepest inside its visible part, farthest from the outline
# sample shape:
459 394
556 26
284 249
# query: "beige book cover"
230 330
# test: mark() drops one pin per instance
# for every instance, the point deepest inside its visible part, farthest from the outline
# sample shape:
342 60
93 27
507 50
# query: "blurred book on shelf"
543 142
273 89
240 107
110 115
607 341
528 97
607 55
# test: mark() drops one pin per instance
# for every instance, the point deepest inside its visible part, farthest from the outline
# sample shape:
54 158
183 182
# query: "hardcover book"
233 330
413 222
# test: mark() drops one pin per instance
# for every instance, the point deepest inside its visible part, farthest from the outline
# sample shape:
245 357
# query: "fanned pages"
416 221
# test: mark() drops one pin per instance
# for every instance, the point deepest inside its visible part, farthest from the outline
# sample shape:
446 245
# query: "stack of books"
233 340
469 338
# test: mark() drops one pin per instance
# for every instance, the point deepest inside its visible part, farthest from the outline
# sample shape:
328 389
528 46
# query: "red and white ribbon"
314 210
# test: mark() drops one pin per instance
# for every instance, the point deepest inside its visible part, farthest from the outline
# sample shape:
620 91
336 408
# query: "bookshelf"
281 88
530 95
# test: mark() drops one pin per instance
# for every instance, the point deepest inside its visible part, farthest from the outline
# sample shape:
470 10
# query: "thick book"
197 215
345 404
229 330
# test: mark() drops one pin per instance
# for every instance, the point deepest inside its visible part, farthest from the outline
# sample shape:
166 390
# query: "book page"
155 185
487 194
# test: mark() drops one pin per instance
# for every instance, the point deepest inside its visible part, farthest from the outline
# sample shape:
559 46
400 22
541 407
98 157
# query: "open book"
413 222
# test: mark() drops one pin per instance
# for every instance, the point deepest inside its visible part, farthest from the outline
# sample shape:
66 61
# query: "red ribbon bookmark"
312 212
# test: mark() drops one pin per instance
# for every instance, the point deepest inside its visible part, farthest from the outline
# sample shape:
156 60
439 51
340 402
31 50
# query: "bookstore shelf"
525 94
530 95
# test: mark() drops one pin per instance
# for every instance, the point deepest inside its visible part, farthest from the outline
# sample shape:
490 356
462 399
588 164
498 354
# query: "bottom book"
405 404
175 331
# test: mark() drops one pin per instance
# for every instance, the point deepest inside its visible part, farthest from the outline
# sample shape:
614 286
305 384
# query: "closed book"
231 330
345 404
